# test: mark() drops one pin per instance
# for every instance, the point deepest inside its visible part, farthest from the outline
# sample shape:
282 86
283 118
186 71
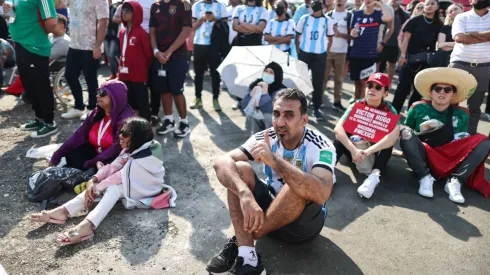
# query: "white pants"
112 194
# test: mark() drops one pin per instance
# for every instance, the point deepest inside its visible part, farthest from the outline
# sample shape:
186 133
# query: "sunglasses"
371 85
124 133
439 89
101 93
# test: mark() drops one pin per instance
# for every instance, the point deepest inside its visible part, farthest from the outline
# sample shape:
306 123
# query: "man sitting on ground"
436 140
299 165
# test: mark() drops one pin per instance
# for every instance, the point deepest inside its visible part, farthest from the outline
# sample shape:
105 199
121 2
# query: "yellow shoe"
80 188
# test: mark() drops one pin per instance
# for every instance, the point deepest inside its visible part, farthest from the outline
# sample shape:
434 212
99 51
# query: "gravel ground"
395 232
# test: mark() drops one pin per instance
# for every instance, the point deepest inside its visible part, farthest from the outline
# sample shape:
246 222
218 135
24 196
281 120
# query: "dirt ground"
395 232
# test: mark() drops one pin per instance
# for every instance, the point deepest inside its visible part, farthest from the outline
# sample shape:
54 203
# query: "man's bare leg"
167 101
181 107
391 71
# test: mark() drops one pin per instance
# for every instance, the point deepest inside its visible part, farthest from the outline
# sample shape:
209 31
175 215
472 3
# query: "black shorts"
359 68
307 226
170 77
389 54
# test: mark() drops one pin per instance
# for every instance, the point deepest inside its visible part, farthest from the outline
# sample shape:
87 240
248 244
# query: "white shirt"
339 44
230 10
146 5
467 22
315 150
278 28
250 15
314 32
203 33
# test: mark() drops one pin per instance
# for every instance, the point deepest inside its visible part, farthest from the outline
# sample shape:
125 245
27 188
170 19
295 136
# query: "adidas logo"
426 118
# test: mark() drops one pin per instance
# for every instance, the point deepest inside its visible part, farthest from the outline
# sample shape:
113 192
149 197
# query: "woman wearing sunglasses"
435 140
376 90
96 140
136 177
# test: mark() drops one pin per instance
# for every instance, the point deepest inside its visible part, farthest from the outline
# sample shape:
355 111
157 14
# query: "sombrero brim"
464 82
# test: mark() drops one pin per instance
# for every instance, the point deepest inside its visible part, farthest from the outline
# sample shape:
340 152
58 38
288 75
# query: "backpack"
45 185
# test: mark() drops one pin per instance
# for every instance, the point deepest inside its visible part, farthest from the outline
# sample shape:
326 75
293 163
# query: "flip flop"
73 235
46 218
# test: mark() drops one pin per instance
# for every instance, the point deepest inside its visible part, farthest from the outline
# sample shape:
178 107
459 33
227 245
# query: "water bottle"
355 138
357 28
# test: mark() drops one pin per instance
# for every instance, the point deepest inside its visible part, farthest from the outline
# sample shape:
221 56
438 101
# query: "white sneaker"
73 113
425 188
366 190
453 188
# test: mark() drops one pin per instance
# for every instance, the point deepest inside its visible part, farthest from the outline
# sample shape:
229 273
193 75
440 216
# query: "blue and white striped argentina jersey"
250 15
272 14
315 150
203 33
278 28
314 32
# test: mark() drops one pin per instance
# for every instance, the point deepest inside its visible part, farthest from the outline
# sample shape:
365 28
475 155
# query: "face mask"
280 11
268 78
480 5
316 6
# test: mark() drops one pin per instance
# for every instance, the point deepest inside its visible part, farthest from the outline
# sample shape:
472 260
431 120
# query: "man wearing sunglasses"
437 128
377 87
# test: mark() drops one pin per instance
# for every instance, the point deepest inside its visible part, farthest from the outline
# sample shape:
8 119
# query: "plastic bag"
365 166
47 184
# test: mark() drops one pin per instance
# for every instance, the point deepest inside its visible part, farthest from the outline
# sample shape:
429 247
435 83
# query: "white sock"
184 120
169 117
249 255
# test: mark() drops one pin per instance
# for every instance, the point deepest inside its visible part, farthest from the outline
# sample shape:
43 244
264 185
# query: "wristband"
155 51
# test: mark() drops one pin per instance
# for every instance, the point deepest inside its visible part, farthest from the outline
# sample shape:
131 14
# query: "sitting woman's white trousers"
112 194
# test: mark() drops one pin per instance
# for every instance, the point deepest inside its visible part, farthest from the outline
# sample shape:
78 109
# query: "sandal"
46 218
73 236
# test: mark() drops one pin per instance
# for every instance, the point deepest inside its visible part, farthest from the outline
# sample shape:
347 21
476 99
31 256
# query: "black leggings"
203 60
381 158
407 75
77 157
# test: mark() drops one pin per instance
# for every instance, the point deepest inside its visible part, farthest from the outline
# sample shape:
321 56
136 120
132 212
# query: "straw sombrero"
464 82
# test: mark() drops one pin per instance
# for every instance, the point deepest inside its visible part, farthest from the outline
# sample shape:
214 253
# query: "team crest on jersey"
131 40
299 164
455 121
371 20
172 9
364 20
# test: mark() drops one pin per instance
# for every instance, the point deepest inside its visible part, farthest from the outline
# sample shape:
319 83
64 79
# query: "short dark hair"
62 19
139 130
293 94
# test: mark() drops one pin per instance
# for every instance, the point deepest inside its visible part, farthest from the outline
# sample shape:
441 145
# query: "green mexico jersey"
422 112
27 29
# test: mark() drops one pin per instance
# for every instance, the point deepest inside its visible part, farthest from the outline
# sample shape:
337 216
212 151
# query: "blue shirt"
203 33
278 28
302 10
314 32
365 44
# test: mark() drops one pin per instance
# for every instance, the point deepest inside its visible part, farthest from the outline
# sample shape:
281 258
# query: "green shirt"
422 112
27 29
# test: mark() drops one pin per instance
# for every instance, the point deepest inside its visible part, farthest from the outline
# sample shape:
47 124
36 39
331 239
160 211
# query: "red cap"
380 78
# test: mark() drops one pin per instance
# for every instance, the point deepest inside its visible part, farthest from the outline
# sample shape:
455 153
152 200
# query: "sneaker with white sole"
167 127
73 113
183 130
453 188
425 188
366 190
31 125
45 130
84 117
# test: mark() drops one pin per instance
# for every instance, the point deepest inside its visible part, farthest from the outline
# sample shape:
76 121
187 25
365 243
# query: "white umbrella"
243 65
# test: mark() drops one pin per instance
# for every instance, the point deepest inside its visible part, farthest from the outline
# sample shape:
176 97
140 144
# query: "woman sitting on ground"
259 112
136 176
377 89
96 140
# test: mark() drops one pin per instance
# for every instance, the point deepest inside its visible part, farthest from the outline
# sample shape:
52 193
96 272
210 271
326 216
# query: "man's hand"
210 17
253 216
380 47
402 61
97 53
336 30
161 58
261 151
354 33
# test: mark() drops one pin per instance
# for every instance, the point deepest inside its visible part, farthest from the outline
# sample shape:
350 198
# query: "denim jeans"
111 49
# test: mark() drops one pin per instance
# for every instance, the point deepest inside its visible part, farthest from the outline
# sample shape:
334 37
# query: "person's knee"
246 173
406 134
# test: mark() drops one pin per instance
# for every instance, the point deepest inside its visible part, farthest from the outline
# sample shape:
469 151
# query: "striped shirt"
365 44
230 10
314 32
315 150
199 9
278 28
467 22
250 15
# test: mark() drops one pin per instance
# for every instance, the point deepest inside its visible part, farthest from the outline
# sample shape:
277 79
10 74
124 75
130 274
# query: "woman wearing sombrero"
435 140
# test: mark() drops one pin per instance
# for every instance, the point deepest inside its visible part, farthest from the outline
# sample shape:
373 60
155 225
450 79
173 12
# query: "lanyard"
125 44
102 129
